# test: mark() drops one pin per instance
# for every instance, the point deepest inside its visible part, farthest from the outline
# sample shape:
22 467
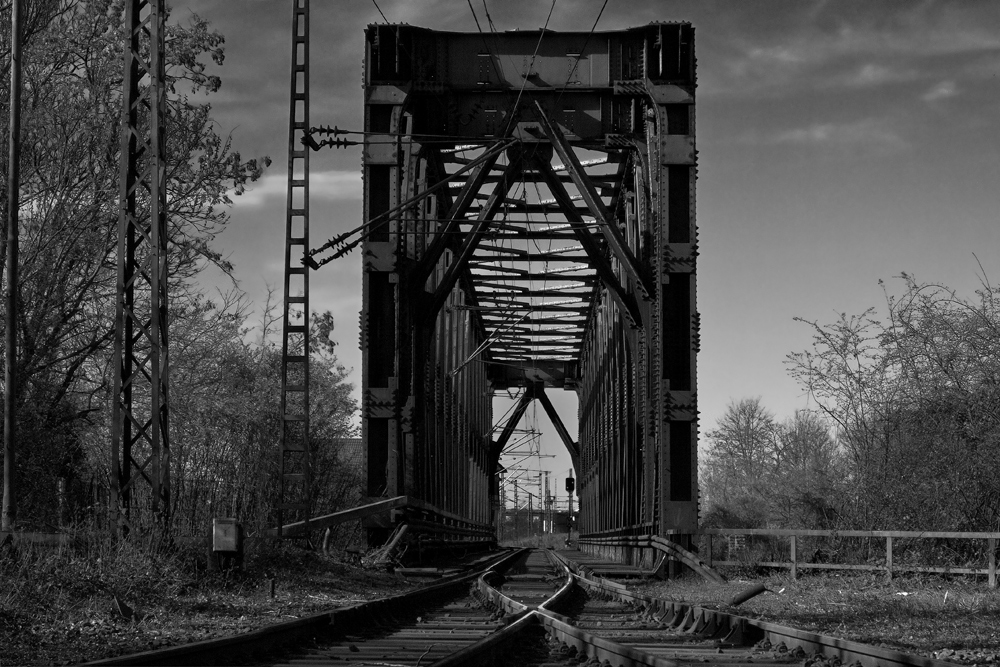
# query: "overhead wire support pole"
9 514
294 502
140 423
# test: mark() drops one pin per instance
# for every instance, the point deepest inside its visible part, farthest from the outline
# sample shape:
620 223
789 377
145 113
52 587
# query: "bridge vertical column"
642 340
382 336
425 411
670 132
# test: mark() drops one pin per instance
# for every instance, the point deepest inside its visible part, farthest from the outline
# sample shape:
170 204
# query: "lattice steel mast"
140 443
295 465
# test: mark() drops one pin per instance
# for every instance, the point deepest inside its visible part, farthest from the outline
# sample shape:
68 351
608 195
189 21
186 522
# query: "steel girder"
140 449
565 258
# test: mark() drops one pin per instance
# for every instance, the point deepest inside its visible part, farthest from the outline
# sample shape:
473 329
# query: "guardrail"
418 513
665 547
796 562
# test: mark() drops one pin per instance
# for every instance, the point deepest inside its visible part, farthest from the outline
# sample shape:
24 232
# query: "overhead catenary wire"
496 38
486 343
503 418
504 237
511 117
422 137
531 66
386 216
583 50
374 2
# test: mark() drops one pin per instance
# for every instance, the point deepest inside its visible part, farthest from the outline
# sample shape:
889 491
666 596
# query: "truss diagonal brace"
591 197
601 265
472 239
550 410
466 198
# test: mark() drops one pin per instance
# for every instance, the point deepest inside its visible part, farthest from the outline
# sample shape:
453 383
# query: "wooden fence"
796 563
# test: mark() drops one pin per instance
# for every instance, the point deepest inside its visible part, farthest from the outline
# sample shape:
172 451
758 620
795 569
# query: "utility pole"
517 513
531 518
13 202
570 488
547 516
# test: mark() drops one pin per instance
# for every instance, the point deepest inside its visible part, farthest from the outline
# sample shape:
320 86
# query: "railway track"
529 609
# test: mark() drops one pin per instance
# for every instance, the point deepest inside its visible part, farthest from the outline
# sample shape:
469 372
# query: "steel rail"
234 648
732 627
556 625
511 606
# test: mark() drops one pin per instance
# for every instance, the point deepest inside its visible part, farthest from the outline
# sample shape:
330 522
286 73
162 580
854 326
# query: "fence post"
710 550
795 562
991 546
888 558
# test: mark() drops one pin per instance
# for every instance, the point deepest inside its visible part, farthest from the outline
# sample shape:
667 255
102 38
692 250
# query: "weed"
101 597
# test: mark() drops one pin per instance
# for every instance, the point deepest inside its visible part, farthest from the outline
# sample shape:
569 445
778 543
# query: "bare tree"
916 403
742 450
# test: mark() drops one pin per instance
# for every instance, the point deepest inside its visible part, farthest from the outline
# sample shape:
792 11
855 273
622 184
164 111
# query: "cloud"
324 185
940 91
875 74
832 47
864 133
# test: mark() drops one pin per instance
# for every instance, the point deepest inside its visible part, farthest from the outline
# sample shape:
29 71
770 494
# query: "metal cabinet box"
227 535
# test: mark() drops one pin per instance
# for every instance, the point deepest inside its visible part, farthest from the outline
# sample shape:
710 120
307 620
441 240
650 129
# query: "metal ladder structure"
295 466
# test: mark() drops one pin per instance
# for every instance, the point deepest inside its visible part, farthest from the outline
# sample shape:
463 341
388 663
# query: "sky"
840 144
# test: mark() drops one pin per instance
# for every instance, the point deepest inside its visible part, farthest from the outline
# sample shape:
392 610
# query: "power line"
582 51
472 9
383 15
531 66
496 42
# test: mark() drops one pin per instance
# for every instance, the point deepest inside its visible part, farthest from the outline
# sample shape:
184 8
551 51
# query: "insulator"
346 249
327 130
339 143
310 141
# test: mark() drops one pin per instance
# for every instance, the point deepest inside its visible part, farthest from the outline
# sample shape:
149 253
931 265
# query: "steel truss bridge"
528 225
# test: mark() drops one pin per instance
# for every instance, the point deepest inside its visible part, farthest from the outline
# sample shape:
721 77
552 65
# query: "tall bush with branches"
915 400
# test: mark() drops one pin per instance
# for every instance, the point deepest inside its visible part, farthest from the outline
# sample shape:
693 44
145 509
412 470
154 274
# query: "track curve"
528 608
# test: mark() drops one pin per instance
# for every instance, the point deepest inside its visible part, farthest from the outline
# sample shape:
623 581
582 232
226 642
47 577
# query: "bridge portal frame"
435 348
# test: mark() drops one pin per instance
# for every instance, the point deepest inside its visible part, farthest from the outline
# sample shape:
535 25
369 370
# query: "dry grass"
58 606
956 619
